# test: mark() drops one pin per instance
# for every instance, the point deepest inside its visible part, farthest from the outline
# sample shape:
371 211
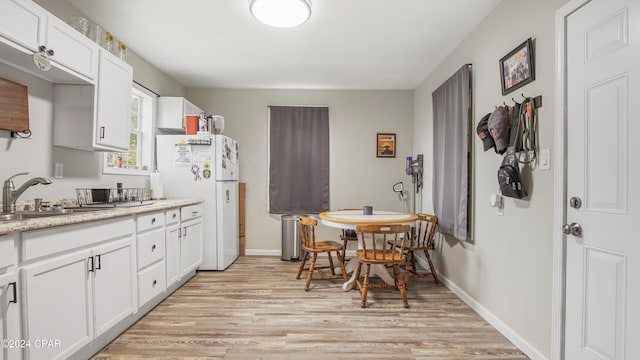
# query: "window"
138 160
298 159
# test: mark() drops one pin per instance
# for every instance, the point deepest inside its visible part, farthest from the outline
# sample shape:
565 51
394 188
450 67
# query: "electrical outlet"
59 170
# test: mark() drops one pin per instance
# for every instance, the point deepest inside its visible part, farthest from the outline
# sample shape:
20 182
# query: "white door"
603 263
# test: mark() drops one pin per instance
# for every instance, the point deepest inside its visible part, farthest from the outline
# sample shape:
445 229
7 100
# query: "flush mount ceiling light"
281 13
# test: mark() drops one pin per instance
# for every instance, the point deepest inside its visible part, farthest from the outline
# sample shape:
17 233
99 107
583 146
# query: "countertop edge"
11 227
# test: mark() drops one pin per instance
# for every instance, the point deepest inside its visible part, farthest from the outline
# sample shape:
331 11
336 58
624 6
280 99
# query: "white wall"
37 155
357 177
506 271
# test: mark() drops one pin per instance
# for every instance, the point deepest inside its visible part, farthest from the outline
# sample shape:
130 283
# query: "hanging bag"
509 178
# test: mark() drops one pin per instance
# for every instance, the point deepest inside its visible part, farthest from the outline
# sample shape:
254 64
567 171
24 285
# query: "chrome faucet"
10 194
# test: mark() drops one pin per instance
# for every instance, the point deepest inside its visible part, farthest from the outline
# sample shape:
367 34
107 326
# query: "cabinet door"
191 245
71 48
114 274
172 257
58 305
9 316
113 103
22 22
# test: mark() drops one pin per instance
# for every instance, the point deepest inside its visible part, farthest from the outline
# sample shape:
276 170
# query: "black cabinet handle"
91 266
50 52
101 132
184 231
153 221
99 262
155 282
179 232
15 293
153 247
174 216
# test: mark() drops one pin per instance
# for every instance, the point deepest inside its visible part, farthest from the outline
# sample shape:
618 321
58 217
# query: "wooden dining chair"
313 247
421 240
388 252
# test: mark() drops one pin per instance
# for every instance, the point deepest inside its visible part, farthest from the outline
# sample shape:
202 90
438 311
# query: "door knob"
575 202
572 229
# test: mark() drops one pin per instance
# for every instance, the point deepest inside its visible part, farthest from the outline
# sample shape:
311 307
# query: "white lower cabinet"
59 304
151 282
172 259
9 317
73 283
151 253
71 298
113 287
190 238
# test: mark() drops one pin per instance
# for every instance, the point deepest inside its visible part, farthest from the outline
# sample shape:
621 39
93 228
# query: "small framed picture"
516 68
386 145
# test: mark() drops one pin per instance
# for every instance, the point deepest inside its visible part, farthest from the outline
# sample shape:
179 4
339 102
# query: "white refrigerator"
190 167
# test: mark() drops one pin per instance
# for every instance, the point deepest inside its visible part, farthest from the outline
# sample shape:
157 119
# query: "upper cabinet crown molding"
25 27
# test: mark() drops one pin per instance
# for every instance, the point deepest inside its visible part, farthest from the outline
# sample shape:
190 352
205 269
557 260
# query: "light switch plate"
545 159
58 173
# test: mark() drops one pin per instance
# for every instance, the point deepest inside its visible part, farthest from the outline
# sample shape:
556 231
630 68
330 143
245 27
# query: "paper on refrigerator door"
182 154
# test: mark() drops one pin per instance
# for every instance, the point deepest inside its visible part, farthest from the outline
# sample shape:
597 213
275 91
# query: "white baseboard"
487 315
262 252
270 252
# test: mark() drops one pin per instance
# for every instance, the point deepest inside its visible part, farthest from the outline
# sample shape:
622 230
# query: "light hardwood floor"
256 309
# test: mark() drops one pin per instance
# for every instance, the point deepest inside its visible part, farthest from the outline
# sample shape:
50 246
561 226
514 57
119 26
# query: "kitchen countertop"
8 227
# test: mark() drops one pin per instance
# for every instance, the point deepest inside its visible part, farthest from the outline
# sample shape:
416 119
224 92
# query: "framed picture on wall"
386 145
516 68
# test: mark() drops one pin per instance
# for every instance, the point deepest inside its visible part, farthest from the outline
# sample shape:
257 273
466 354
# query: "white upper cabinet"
172 110
89 117
26 28
23 22
72 49
114 102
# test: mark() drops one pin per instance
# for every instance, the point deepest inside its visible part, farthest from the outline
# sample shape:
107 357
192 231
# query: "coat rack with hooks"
537 101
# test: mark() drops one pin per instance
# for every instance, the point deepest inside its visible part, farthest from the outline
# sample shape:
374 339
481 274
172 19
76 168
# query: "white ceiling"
347 44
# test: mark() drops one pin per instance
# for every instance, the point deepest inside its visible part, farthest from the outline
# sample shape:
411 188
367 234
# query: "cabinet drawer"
172 216
7 252
58 239
150 247
150 221
191 212
151 282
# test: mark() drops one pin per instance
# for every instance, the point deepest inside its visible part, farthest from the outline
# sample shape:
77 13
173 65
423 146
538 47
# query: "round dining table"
349 219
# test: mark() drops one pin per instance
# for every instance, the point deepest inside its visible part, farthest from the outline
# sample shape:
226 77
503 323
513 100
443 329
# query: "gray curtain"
298 159
451 119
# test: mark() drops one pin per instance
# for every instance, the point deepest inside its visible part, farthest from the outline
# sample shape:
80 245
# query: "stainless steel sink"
23 215
10 217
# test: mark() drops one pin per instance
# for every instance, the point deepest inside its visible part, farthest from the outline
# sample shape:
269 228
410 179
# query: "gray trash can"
291 240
